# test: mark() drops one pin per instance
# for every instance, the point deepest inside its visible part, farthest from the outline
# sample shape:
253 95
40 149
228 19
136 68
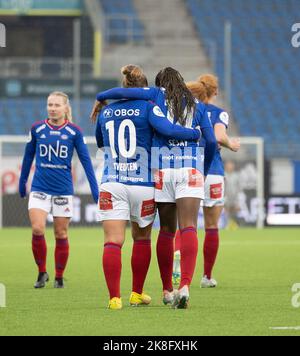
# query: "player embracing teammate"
126 129
180 169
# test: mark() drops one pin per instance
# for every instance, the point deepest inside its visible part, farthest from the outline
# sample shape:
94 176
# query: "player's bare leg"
165 247
114 237
211 243
61 226
140 261
38 219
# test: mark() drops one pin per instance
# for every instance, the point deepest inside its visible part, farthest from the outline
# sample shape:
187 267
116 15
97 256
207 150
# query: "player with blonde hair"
52 142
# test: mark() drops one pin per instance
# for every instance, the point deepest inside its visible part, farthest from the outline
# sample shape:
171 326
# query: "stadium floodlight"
249 162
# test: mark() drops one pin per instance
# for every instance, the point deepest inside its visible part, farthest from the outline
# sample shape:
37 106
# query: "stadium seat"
17 115
122 22
265 68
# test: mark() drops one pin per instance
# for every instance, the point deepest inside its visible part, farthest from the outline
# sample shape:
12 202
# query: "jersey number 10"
122 141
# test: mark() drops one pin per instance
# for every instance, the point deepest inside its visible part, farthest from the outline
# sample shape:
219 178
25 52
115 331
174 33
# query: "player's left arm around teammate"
149 93
86 162
27 163
163 126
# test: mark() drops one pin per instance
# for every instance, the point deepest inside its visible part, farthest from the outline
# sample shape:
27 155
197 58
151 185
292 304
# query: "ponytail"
210 83
198 91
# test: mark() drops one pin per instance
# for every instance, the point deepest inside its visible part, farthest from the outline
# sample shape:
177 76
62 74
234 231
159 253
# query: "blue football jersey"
170 152
217 116
53 147
126 129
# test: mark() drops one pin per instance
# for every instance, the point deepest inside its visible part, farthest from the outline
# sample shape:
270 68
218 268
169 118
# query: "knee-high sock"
210 250
165 255
188 252
39 249
61 256
177 241
112 266
140 261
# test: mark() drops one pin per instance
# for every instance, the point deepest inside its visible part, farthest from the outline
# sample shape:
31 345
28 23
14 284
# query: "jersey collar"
56 127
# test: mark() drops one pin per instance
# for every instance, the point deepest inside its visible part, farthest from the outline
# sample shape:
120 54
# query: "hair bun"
132 70
127 70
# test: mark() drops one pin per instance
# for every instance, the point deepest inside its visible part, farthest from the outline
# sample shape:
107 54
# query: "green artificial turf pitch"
255 270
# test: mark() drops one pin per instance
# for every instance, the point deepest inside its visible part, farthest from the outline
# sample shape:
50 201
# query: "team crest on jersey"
64 137
108 113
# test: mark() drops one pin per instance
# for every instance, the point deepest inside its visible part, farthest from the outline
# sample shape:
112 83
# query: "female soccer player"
125 129
205 89
53 141
180 176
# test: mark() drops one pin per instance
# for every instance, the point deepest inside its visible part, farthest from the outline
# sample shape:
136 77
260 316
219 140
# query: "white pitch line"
285 328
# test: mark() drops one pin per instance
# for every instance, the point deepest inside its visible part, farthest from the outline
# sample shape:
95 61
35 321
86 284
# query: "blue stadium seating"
18 115
265 79
123 24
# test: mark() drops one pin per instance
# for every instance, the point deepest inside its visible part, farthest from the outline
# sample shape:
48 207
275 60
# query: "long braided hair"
180 100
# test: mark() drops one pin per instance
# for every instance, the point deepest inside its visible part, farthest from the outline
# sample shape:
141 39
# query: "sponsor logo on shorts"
216 191
61 201
158 179
105 201
40 196
195 179
148 208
